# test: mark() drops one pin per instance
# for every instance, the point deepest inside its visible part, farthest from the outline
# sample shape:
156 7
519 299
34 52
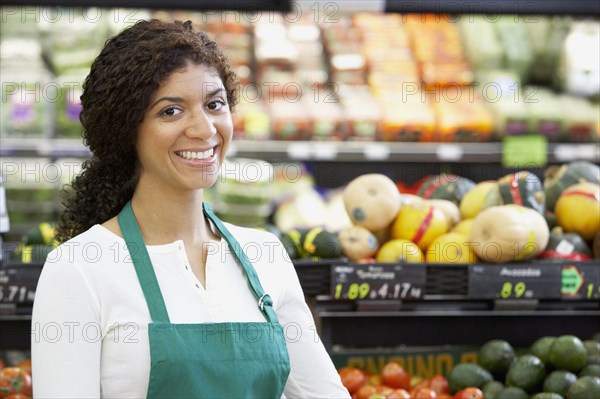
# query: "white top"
90 318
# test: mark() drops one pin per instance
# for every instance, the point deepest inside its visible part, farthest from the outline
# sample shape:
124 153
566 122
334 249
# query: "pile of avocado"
563 367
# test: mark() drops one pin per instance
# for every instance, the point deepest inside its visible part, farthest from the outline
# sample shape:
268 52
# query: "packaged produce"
251 119
546 117
73 42
27 94
245 181
581 119
546 37
68 106
325 115
482 45
463 120
361 112
510 117
518 56
244 191
578 71
271 44
409 121
288 120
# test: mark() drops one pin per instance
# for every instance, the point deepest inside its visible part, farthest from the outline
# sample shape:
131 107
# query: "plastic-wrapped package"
579 68
545 113
25 110
518 54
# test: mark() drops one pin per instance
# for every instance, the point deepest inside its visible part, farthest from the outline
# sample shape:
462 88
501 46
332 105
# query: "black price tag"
18 283
524 281
580 281
378 281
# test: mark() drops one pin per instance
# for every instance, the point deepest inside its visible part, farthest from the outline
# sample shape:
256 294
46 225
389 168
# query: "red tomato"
439 384
25 365
444 396
14 380
399 394
393 375
365 392
18 396
469 393
352 378
418 386
382 389
424 393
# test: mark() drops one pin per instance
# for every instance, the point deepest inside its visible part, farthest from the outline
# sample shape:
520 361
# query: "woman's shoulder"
92 244
252 235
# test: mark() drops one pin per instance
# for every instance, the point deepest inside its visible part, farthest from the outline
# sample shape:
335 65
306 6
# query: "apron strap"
143 265
264 300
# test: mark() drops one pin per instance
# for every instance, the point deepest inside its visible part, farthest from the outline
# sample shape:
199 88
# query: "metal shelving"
523 7
342 151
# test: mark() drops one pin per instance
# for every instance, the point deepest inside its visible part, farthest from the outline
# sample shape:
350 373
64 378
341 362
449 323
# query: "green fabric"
143 265
208 360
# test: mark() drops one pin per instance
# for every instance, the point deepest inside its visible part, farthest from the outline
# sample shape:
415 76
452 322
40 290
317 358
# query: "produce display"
15 381
563 367
368 77
455 220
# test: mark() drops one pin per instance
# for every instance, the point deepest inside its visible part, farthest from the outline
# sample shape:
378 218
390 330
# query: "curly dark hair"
116 94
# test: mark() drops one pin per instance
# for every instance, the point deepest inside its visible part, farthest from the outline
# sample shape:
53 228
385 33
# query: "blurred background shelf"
527 7
351 151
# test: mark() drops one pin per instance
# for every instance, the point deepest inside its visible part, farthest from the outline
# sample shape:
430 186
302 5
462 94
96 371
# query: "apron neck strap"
143 264
265 303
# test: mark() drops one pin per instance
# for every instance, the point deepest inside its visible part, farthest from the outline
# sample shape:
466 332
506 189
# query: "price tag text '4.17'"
378 281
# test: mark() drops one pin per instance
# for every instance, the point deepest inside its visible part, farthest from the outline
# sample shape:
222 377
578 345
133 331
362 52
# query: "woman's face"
186 130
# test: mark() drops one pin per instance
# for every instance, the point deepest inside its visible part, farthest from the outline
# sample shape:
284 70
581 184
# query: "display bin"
315 276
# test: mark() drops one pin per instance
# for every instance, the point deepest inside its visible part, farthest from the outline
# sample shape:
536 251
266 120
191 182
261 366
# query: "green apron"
209 360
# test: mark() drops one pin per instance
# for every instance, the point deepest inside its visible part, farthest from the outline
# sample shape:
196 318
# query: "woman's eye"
171 111
216 105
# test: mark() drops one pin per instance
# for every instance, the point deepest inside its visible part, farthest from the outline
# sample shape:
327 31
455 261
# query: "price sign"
521 152
18 283
378 281
525 281
580 281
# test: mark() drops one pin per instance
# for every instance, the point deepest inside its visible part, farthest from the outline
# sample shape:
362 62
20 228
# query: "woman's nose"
201 125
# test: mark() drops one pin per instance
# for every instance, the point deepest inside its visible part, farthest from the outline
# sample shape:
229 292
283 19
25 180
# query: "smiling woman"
169 305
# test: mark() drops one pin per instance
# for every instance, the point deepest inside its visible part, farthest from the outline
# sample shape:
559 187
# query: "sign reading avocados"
580 281
519 281
378 281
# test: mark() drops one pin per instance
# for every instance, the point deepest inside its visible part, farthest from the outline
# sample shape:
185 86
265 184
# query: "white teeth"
196 155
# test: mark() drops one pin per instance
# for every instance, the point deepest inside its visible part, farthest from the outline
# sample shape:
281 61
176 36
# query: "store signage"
522 152
18 283
518 281
580 281
378 281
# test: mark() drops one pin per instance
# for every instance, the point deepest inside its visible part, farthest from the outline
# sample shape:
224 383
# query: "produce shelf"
526 7
343 151
238 5
521 328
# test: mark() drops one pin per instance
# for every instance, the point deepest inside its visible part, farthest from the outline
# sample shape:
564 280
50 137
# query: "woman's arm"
313 374
65 334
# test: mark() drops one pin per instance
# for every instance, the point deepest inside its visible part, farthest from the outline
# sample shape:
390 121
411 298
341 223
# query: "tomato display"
14 380
393 375
352 378
469 393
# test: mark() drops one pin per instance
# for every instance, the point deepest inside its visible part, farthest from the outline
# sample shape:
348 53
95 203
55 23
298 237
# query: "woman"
150 295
